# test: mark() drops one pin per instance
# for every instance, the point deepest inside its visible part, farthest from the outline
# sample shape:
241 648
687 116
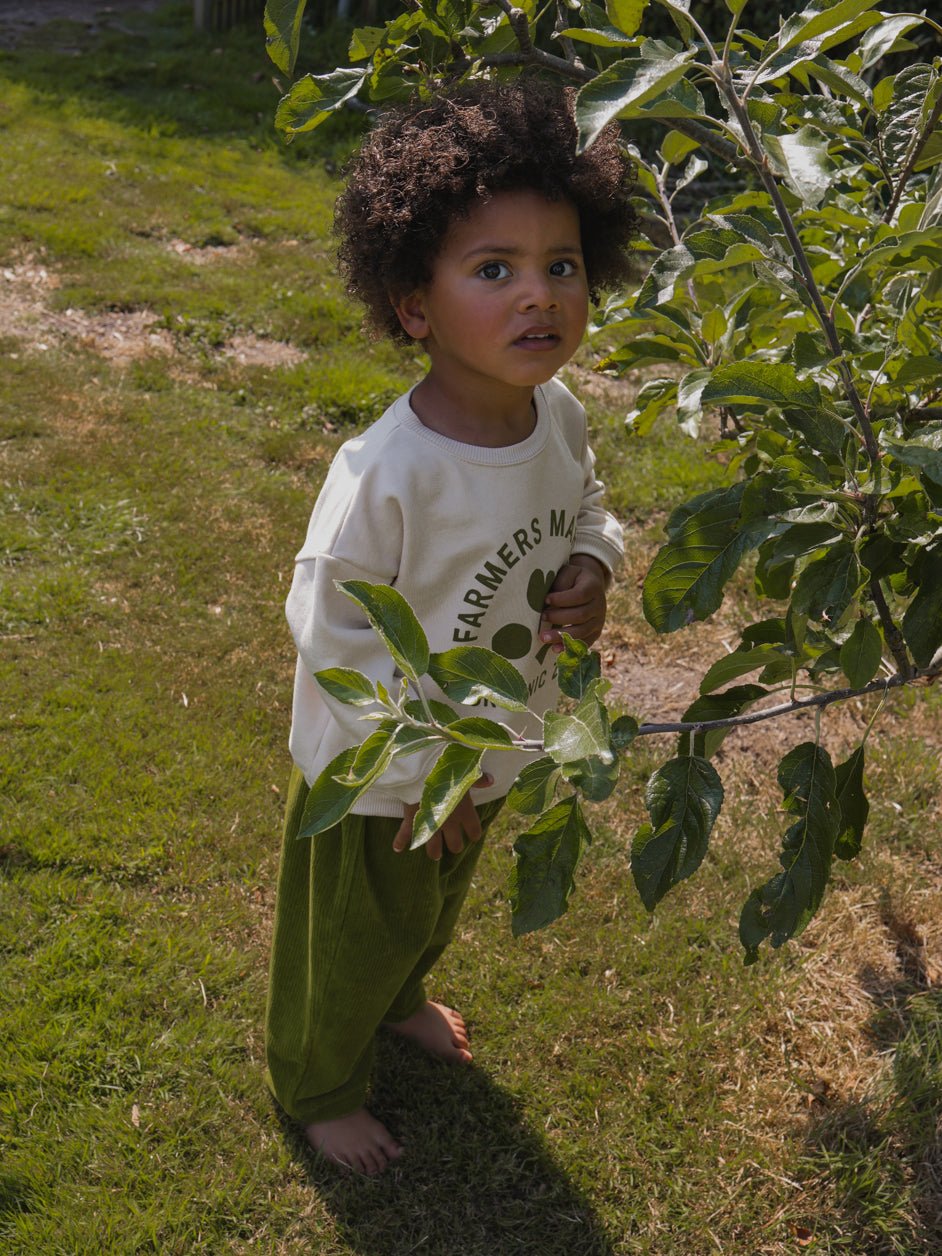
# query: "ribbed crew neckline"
485 455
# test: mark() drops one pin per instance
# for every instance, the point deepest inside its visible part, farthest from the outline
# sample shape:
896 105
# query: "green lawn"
636 1090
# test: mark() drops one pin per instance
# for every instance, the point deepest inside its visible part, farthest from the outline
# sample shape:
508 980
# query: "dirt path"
18 18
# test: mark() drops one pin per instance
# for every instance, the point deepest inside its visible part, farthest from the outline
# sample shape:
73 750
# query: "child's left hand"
576 602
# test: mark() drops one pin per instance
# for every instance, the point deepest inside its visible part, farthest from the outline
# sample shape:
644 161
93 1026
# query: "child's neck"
505 418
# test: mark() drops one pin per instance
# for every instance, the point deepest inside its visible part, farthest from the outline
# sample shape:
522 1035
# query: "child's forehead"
519 212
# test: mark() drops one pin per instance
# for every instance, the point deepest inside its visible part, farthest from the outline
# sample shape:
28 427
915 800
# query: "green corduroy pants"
357 928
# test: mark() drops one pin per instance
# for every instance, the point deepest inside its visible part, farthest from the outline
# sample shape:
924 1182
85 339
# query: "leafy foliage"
798 308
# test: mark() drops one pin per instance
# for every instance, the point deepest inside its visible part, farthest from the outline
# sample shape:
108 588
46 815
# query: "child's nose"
538 293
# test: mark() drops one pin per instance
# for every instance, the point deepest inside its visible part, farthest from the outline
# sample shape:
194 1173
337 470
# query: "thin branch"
536 56
711 142
799 704
894 638
807 275
819 700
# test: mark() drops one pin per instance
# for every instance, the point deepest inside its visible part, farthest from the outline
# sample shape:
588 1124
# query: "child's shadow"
474 1181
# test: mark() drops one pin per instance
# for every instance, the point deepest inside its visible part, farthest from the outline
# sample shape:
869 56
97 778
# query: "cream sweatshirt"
472 537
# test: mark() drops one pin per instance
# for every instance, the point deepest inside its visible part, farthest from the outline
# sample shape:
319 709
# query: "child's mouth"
538 340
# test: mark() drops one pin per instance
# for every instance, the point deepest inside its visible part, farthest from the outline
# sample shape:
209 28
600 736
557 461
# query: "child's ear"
410 311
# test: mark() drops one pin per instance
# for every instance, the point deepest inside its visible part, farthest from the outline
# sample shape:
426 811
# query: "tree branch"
827 323
799 704
894 638
546 60
819 700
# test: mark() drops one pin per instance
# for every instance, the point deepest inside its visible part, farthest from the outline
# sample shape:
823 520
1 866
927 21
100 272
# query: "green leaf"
629 82
923 449
680 100
861 654
820 18
456 770
328 800
828 585
475 730
283 32
683 797
841 80
852 804
878 40
364 41
922 623
801 157
312 99
904 114
668 268
690 388
675 147
532 791
625 14
576 667
716 706
781 908
584 733
774 383
739 663
707 542
441 712
394 620
600 36
347 684
623 731
370 761
547 855
470 674
595 778
823 431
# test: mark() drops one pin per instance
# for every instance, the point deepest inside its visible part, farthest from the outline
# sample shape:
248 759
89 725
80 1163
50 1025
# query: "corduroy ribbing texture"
357 928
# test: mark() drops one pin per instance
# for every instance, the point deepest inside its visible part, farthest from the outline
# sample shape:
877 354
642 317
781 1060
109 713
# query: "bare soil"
18 18
120 336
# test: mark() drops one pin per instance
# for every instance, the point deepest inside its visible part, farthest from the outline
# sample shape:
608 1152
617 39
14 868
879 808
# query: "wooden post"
220 15
202 11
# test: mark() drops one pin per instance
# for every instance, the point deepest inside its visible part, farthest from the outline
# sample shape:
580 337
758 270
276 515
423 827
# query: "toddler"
469 227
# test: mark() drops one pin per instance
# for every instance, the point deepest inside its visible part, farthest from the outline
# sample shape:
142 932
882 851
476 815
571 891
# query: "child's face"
507 303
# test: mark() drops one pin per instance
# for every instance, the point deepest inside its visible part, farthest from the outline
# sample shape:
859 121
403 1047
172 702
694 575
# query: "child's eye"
494 270
563 268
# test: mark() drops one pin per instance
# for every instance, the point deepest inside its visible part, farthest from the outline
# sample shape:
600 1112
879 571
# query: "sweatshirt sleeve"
598 533
354 534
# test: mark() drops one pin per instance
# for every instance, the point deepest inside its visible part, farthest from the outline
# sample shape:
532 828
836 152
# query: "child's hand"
464 822
576 602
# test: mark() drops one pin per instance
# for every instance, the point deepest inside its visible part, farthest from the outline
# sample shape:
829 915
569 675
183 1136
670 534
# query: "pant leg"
353 921
456 875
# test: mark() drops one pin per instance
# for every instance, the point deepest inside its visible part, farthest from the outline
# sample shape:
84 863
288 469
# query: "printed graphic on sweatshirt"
514 640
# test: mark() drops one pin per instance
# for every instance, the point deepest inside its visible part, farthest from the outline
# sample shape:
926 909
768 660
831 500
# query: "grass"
636 1090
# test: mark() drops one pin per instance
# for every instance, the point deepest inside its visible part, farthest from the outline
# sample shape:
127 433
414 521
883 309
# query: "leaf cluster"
798 312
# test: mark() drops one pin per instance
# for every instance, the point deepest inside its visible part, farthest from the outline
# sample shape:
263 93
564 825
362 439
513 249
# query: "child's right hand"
464 822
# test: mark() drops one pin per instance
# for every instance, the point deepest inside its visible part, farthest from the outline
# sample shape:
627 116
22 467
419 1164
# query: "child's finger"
574 596
403 839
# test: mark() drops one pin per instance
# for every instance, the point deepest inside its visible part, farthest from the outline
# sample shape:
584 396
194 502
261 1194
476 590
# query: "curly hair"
426 164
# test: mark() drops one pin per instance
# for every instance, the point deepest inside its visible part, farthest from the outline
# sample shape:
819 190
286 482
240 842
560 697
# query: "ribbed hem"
610 556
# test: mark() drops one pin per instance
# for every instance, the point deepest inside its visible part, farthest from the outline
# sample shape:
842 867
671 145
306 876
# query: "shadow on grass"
474 1178
882 1156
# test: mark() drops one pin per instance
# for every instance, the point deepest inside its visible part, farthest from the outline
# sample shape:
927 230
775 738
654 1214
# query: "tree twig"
894 638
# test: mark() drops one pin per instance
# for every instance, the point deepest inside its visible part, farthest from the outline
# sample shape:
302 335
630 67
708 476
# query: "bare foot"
357 1142
439 1030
